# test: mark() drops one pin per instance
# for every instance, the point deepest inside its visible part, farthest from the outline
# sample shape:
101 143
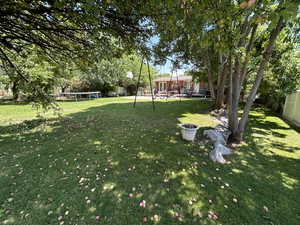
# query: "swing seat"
189 93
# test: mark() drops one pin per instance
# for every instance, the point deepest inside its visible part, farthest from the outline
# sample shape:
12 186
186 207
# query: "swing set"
150 81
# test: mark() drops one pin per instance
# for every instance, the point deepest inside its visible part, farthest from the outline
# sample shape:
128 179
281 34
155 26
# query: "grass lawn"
104 162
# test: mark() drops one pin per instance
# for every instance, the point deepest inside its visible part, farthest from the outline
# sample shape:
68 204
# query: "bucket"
188 131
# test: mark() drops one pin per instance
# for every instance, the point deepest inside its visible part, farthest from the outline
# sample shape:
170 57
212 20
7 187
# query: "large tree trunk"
211 85
235 87
235 84
210 79
247 57
15 90
238 135
229 95
221 87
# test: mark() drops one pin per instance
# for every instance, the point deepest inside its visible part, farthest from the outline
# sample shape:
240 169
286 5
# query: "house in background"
185 84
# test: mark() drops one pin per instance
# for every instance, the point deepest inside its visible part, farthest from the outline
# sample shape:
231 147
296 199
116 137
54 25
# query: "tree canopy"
57 31
230 42
219 37
68 26
106 75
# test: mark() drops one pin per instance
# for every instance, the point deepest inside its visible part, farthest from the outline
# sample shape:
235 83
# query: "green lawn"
103 162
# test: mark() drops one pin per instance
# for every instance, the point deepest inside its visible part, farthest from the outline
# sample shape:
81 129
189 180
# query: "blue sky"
167 68
164 68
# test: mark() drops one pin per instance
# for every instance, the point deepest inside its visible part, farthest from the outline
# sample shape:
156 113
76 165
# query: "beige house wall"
291 109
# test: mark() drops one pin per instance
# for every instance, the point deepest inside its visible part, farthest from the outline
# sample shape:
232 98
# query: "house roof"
174 78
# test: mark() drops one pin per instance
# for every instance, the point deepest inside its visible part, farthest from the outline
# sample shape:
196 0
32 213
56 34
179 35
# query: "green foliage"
283 75
199 29
102 76
198 75
4 80
133 63
38 80
106 75
84 31
64 31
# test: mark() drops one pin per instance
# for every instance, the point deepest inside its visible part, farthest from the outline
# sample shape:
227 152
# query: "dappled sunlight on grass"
144 155
284 153
274 136
104 162
197 119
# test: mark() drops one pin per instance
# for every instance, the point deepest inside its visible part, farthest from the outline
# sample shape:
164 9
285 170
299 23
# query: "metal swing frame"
138 83
150 81
178 88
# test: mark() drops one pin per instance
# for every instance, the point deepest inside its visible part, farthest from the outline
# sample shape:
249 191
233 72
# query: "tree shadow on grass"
12 102
106 160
